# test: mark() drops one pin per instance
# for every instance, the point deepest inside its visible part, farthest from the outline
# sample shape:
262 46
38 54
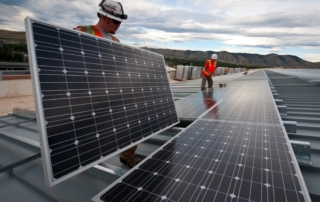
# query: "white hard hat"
112 9
214 56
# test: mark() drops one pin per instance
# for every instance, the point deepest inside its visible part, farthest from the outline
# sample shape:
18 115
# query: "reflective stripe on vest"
91 29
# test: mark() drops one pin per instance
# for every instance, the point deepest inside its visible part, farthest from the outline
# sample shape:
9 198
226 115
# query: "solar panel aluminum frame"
44 145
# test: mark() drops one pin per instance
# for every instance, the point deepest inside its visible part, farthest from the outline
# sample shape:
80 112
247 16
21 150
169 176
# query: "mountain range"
12 36
270 60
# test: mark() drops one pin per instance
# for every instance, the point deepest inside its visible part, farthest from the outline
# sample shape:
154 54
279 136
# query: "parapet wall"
15 88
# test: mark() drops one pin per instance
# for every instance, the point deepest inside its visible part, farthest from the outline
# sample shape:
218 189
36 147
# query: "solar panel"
194 107
191 107
237 151
252 90
253 76
216 92
94 97
216 161
254 111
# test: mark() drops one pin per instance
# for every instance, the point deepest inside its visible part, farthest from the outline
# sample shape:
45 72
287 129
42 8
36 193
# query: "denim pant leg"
203 83
210 82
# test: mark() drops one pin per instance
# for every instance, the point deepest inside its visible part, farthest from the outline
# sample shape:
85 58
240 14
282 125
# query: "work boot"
131 162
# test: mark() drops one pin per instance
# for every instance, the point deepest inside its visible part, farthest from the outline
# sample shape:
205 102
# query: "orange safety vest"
91 29
209 68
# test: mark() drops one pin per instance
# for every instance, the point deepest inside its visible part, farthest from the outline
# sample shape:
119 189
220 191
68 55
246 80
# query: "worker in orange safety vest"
227 70
110 16
208 71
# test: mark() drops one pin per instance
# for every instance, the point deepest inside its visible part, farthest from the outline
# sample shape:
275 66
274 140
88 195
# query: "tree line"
173 62
13 52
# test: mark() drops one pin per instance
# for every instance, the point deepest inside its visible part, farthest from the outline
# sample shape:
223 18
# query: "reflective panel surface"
253 111
195 105
215 161
95 96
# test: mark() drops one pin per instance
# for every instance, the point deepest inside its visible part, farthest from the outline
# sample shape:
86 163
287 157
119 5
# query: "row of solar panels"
237 150
194 72
222 70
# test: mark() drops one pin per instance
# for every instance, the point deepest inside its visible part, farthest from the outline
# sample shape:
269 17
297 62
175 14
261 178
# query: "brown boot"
130 162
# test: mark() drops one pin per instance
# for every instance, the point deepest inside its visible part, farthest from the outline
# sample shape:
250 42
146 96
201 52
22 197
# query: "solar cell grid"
254 111
252 79
255 83
195 105
252 91
95 96
257 73
194 108
249 96
215 161
217 93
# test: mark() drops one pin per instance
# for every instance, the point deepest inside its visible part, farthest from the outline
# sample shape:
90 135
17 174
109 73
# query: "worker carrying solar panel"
110 16
208 71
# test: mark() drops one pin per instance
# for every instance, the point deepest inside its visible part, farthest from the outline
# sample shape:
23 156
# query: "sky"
284 27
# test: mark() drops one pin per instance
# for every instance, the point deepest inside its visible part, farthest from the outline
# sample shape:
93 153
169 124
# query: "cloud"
13 22
271 24
66 14
274 49
262 24
12 2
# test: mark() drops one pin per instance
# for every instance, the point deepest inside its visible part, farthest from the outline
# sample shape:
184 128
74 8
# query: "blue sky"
284 27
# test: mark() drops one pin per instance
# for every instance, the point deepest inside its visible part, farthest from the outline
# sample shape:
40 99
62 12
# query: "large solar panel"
237 151
216 161
94 97
253 76
191 107
251 102
252 91
254 111
194 107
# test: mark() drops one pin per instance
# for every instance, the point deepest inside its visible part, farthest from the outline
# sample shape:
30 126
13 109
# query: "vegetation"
17 47
12 52
173 62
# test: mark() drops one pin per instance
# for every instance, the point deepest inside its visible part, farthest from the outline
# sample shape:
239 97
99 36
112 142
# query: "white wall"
15 88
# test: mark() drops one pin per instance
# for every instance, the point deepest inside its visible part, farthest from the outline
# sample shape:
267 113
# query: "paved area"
7 104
